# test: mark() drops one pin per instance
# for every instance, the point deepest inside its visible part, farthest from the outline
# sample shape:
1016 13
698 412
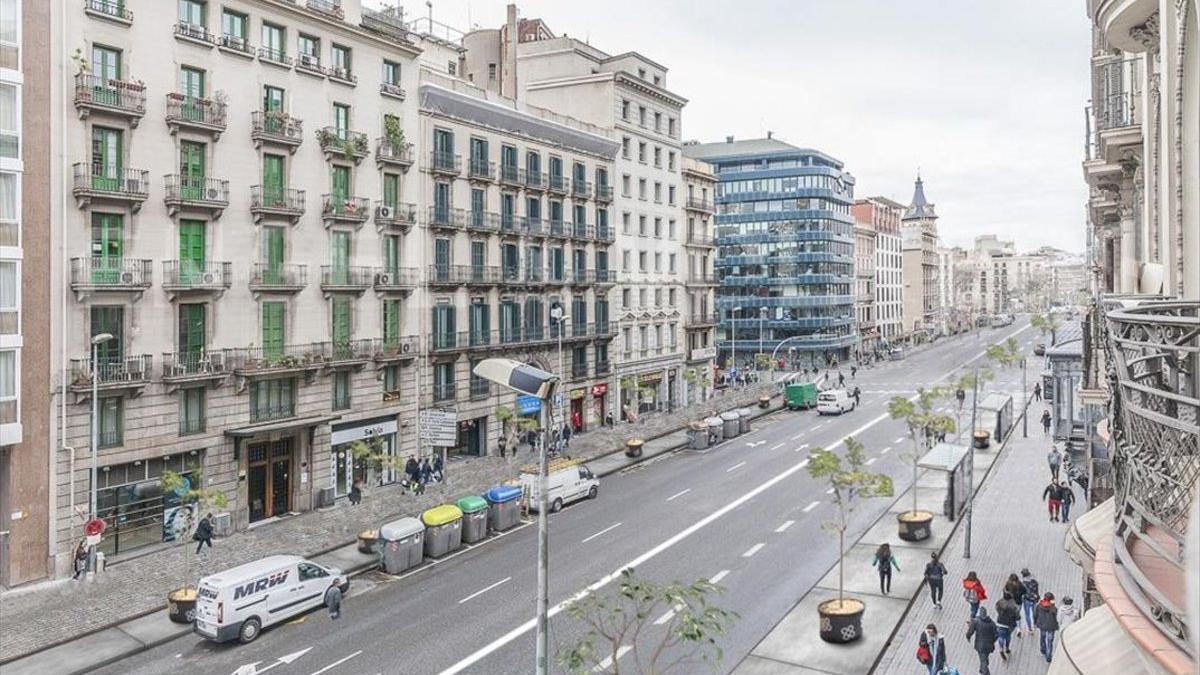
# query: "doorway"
577 413
270 479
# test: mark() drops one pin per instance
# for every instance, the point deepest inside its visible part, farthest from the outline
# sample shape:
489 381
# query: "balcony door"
108 236
191 86
107 159
191 335
339 262
441 259
191 170
106 67
109 319
272 180
272 255
273 314
341 310
191 250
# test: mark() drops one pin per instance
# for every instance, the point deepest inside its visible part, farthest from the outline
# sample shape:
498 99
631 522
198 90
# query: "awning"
1095 644
280 425
1086 531
944 457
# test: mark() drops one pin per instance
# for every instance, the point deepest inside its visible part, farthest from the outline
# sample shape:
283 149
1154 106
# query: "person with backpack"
1045 422
1051 495
931 650
983 629
885 561
1029 598
973 592
1066 497
204 533
1045 617
1008 619
935 573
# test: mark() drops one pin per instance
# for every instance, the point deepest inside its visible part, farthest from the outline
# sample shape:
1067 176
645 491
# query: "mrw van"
239 602
568 480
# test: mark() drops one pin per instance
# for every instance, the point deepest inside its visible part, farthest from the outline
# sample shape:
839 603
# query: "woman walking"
1045 617
931 650
1008 618
1029 598
973 592
935 573
885 561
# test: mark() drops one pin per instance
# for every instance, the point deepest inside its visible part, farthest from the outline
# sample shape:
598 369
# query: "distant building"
700 318
888 303
922 314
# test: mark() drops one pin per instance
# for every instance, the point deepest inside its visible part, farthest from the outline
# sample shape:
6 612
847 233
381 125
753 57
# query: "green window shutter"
272 178
272 329
391 253
191 332
341 183
391 190
191 249
341 320
340 257
391 321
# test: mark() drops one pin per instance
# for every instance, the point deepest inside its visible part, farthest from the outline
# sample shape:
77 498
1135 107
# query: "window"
391 73
671 126
642 189
341 390
9 298
626 297
657 157
625 224
272 399
671 297
235 26
658 297
451 68
480 387
642 114
111 423
642 152
642 298
658 227
657 120
641 226
391 321
341 57
191 13
671 263
9 189
443 381
109 319
273 41
657 262
657 192
625 147
8 387
273 329
626 256
671 195
10 132
191 410
341 119
641 261
391 379
625 183
671 160
642 73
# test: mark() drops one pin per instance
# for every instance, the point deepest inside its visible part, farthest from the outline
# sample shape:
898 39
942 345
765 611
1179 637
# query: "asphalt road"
744 512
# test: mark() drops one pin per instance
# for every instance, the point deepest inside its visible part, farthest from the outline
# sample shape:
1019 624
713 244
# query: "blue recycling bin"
504 507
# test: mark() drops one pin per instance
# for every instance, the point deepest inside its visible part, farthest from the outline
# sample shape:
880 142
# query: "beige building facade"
919 234
701 318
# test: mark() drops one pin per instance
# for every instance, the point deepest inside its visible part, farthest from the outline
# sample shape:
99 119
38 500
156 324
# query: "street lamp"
526 379
733 340
762 322
97 340
560 319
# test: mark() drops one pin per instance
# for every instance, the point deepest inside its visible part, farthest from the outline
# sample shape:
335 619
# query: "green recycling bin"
443 529
474 509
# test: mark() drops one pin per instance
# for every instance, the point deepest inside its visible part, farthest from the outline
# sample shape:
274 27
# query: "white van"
238 603
568 479
834 402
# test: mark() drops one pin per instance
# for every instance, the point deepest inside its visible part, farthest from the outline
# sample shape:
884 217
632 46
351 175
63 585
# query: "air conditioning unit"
406 347
212 194
385 212
127 277
383 279
310 61
209 278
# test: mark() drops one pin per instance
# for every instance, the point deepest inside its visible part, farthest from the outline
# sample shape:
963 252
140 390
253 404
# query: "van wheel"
249 631
593 492
556 506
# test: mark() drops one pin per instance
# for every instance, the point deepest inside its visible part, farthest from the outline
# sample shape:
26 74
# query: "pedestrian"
204 533
1067 613
413 470
1054 459
333 600
983 629
973 591
608 418
1008 619
853 372
935 573
1037 392
426 471
841 379
1015 588
931 650
885 561
1029 599
439 469
503 445
960 396
1066 497
566 436
355 493
81 558
857 395
1045 422
1045 617
1051 495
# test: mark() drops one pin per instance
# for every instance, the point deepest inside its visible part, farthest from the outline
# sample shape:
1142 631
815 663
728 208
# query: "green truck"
801 395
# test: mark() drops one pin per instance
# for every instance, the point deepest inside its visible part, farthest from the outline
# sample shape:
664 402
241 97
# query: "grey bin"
716 430
504 507
697 436
443 530
475 511
732 422
744 420
401 545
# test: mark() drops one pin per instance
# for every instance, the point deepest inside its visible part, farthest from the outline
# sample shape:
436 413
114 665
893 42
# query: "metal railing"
445 162
192 363
236 43
579 369
276 125
113 8
341 73
603 368
348 143
121 182
604 193
535 180
345 207
275 198
186 110
113 94
112 370
389 89
396 277
277 357
441 216
700 239
389 151
330 7
187 274
485 221
282 275
274 56
581 189
195 189
350 350
481 169
558 183
401 346
399 213
111 273
339 276
443 391
704 319
511 174
193 32
698 204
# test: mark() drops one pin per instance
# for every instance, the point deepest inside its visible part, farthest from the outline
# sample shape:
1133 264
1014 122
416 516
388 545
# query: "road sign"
439 427
558 400
527 405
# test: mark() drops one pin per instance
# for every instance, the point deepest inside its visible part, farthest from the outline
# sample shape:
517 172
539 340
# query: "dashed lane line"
606 530
752 550
786 524
885 450
735 467
777 446
481 591
337 663
811 506
679 494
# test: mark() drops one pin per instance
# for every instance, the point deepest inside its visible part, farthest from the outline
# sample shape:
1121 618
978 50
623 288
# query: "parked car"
568 480
834 402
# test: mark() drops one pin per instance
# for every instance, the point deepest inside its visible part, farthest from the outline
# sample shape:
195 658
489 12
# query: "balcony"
557 184
700 279
275 359
558 228
443 391
330 8
579 369
703 320
193 366
112 372
604 277
442 341
604 193
393 153
399 216
1123 23
699 239
310 64
344 209
278 278
397 280
481 170
483 221
580 231
444 163
463 275
343 279
195 34
605 234
274 57
342 74
512 225
511 175
187 276
276 127
196 114
342 352
581 189
603 368
186 193
581 277
343 144
535 180
443 218
236 45
93 182
702 205
276 202
400 348
110 275
392 90
109 10
95 94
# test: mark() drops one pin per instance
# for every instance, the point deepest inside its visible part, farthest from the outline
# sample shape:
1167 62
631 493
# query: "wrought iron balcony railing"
93 180
276 126
481 169
193 363
391 152
195 191
188 275
112 370
195 113
111 273
96 92
111 9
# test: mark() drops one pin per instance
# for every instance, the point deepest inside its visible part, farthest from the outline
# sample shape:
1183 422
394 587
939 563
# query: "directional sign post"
439 427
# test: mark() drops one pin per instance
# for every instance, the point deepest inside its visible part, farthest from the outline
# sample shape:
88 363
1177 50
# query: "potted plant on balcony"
841 617
393 132
185 502
922 423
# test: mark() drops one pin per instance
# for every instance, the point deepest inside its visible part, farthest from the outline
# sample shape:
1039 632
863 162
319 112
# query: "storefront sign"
527 405
649 378
703 353
599 390
578 393
439 427
380 426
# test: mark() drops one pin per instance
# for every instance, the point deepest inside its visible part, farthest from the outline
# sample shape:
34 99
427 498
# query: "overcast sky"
985 96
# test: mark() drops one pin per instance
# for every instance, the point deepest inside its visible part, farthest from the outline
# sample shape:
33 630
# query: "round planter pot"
841 623
982 439
915 525
181 605
633 447
764 402
366 541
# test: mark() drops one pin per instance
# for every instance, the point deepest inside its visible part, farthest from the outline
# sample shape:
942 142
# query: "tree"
632 383
511 424
1046 323
619 621
921 421
371 451
696 380
967 383
849 483
191 493
1007 353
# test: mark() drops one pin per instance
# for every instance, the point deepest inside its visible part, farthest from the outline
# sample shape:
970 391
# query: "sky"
985 97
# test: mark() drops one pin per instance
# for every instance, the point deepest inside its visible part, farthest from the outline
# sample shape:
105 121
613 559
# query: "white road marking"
786 524
604 665
716 578
755 444
253 669
336 663
752 550
664 618
735 467
811 506
480 592
801 447
885 450
610 528
869 462
679 494
798 436
818 426
899 440
777 446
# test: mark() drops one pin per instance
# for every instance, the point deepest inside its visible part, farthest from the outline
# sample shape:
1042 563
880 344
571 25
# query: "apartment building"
236 195
700 184
919 234
786 258
627 94
864 285
883 215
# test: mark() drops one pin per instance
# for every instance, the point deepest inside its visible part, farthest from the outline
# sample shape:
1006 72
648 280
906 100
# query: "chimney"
508 55
729 139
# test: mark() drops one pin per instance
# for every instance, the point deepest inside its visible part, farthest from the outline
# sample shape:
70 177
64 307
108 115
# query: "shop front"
472 437
578 398
650 386
275 463
376 461
600 402
136 510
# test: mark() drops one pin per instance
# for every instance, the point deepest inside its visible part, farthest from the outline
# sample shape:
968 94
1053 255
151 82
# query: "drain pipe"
64 284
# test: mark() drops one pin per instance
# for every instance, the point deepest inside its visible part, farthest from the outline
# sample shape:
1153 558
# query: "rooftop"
754 147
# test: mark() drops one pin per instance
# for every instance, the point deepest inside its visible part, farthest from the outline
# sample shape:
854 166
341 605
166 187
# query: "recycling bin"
732 422
504 507
697 436
401 545
744 420
474 511
716 429
443 530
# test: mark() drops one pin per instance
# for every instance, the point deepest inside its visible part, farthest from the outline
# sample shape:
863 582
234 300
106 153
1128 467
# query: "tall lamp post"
536 382
97 340
971 466
560 319
762 322
733 340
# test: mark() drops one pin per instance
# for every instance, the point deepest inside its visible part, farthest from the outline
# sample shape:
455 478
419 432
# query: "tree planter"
915 525
633 447
982 439
366 541
181 605
764 401
841 621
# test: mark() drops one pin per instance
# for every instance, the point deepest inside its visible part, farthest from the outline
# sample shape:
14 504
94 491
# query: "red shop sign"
599 389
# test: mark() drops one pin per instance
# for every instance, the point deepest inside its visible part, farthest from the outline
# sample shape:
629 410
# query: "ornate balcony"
276 202
310 64
393 90
185 276
442 218
326 7
400 348
236 45
281 278
109 10
396 280
481 170
275 57
581 189
97 183
343 144
277 359
445 163
193 366
195 114
109 275
117 98
112 372
392 153
195 34
276 127
185 193
512 176
558 184
342 352
338 279
344 209
701 205
400 216
483 221
701 240
604 193
535 180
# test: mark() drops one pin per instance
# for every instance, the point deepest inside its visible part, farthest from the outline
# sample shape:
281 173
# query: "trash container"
443 529
400 545
744 420
697 435
504 507
732 423
716 430
474 511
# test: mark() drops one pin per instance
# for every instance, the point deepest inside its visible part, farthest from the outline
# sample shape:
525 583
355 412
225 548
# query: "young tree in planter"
841 619
1046 323
191 492
922 423
619 621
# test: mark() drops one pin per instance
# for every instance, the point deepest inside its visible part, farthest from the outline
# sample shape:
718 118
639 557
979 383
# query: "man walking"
503 445
935 574
1045 617
333 600
204 533
1054 459
1051 495
1037 391
1045 422
1008 618
983 629
1029 599
1066 497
